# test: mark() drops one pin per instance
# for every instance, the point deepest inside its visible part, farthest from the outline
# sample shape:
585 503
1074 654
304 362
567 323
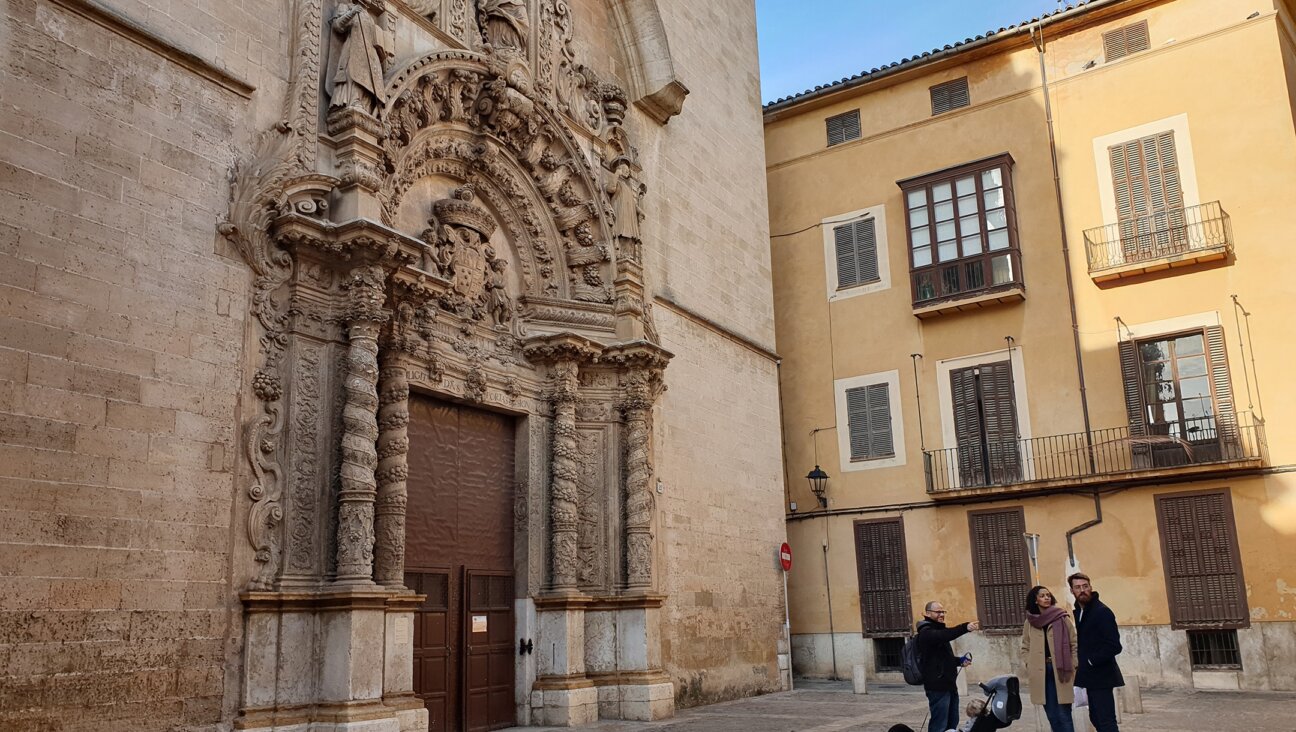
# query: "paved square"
825 706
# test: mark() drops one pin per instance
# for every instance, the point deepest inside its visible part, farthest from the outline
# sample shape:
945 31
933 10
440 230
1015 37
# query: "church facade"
390 365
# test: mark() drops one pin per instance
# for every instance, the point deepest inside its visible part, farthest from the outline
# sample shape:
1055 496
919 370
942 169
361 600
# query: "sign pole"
785 563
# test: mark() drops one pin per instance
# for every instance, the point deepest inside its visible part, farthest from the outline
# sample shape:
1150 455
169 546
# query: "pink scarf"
1061 635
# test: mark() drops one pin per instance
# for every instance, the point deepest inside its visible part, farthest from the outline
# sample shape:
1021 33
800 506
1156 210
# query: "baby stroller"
1002 706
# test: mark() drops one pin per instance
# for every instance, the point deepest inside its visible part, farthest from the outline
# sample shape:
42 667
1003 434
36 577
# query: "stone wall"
706 242
120 361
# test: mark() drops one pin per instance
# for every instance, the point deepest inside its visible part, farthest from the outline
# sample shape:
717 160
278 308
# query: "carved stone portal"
475 235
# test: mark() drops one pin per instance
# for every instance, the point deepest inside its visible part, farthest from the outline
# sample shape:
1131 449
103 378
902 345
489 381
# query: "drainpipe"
1037 35
1097 519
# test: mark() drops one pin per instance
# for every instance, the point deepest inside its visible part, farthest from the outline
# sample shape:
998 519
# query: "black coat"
1098 643
939 666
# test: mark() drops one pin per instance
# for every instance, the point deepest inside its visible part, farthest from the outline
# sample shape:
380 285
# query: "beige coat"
1033 657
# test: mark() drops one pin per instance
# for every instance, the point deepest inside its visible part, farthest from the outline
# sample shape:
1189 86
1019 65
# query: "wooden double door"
459 552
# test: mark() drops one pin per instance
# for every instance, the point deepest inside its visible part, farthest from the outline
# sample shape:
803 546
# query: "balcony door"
985 424
1149 197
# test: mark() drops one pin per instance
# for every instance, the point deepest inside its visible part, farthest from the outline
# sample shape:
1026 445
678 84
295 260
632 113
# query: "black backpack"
911 661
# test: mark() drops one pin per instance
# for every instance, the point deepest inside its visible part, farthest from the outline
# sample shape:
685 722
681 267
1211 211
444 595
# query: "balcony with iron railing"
1162 240
1191 448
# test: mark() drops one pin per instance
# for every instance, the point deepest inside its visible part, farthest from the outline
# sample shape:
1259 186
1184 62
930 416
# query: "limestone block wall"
719 457
121 353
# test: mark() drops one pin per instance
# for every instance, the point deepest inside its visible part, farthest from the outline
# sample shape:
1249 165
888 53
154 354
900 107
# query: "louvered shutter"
879 419
868 411
1135 411
999 407
1222 387
1202 567
1123 41
1149 195
847 267
949 96
843 127
883 569
1000 566
855 246
967 427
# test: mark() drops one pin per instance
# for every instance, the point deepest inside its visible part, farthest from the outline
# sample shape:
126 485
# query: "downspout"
1037 35
1097 519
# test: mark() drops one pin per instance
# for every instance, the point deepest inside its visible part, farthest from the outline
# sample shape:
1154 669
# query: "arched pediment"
456 117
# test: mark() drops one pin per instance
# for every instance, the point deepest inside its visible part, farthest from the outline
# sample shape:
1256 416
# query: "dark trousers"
944 706
1059 715
1102 710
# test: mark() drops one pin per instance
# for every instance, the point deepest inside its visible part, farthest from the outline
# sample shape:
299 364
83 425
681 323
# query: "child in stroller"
1000 708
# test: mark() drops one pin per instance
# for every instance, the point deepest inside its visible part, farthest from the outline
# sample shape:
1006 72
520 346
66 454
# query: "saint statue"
504 24
365 53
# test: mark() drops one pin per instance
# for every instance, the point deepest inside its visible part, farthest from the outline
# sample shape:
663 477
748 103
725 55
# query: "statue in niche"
458 248
497 298
363 58
504 25
626 193
585 259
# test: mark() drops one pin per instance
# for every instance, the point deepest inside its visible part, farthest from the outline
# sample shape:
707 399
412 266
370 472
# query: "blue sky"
805 43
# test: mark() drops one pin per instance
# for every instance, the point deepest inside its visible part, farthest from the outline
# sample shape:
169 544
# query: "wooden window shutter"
999 408
1000 566
855 247
1125 40
967 427
883 568
1132 378
843 127
868 411
1199 551
949 96
1222 386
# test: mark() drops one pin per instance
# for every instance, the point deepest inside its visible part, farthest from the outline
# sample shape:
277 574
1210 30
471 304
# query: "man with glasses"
939 666
1097 645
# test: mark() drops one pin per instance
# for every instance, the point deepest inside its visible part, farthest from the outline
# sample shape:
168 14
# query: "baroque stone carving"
305 460
585 260
626 192
566 471
591 449
365 54
504 25
641 389
393 469
355 531
458 249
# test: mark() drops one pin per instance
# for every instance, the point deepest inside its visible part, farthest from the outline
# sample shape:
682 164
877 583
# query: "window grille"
886 654
1214 649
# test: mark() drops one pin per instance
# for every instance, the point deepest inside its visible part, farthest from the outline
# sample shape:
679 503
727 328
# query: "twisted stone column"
641 391
563 515
393 447
355 527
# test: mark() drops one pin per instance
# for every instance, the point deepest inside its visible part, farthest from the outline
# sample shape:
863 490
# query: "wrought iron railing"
1159 235
1110 451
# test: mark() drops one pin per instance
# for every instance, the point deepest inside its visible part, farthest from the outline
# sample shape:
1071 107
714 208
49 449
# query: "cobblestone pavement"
821 706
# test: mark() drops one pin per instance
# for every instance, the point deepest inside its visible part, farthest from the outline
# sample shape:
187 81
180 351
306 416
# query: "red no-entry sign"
785 556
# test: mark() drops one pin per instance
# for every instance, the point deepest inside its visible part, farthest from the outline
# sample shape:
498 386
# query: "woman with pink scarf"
1049 653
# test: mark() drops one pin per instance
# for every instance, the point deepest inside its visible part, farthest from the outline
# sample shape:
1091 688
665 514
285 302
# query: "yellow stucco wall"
1232 78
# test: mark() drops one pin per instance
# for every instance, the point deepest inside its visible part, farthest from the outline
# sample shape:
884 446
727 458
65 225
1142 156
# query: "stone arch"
654 85
479 118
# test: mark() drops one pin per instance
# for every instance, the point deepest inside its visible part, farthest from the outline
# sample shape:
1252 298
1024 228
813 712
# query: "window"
985 424
949 96
1199 551
1123 41
856 249
870 422
1210 650
1000 567
1149 197
843 127
886 654
868 410
962 231
1179 399
883 577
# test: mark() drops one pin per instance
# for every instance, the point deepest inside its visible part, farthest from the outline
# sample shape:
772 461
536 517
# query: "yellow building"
1031 303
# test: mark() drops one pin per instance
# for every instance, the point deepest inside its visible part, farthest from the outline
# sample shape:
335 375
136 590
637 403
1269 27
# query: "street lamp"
818 484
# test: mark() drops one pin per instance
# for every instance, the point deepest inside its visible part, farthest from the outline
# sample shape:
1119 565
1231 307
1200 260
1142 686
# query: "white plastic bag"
1081 697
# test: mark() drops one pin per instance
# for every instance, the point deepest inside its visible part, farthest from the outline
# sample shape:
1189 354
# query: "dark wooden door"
459 552
985 424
